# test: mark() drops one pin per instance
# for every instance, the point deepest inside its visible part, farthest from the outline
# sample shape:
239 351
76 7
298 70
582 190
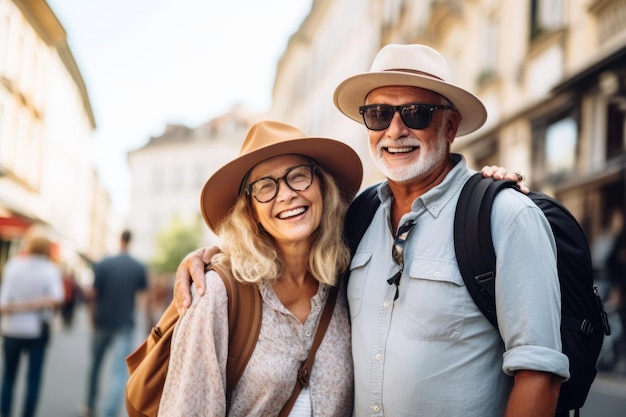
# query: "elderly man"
421 346
431 351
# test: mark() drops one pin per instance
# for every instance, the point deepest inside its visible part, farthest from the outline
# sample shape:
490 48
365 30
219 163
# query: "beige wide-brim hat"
415 66
266 140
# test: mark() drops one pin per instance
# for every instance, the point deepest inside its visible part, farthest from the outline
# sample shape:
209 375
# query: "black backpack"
583 320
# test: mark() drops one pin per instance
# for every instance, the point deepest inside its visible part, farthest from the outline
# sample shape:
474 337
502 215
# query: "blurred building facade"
46 126
552 74
169 172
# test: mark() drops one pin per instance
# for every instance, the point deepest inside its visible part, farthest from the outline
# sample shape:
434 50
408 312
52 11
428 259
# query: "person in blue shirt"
118 280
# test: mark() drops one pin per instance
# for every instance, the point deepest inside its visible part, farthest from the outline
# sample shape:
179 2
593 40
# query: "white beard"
425 163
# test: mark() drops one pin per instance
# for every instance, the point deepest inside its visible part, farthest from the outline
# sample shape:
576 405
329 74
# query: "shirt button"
378 356
376 409
308 333
437 274
387 304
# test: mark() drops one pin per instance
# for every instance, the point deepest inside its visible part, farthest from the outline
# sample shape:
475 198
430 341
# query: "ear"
454 120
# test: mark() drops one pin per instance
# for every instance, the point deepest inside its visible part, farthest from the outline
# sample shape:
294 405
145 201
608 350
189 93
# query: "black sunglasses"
413 115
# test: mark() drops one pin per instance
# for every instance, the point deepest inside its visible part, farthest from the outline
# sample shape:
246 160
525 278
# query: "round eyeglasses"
297 178
414 115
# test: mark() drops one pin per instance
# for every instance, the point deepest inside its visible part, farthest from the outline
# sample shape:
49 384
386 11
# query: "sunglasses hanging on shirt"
397 252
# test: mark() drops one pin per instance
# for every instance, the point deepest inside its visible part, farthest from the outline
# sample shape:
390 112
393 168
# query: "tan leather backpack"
147 365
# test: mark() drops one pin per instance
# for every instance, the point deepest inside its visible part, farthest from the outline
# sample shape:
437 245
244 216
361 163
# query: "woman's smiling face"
292 216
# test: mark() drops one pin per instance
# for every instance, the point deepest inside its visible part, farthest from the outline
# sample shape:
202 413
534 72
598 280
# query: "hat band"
415 72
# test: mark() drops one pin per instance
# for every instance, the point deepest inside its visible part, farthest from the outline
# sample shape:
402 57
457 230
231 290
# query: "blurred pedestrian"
602 247
30 291
616 273
70 289
605 255
117 281
157 300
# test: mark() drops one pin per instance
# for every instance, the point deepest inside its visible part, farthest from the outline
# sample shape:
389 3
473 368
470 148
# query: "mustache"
400 143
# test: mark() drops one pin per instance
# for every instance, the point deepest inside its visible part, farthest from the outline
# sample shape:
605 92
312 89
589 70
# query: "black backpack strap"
360 215
473 241
358 218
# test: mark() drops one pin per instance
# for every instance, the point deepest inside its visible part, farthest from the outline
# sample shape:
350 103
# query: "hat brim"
351 94
221 190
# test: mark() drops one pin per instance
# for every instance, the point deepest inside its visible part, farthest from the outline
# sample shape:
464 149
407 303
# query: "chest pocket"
357 281
436 300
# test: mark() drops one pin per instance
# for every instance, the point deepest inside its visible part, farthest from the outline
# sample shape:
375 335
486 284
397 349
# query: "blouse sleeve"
196 376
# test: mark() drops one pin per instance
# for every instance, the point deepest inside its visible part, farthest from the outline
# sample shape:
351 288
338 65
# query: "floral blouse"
196 378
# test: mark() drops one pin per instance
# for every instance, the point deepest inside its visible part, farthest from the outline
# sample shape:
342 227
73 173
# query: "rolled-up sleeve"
528 297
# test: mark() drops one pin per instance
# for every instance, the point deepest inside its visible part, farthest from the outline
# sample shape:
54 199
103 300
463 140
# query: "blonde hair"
37 243
251 253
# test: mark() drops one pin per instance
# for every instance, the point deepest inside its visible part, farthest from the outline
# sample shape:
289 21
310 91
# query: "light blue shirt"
431 352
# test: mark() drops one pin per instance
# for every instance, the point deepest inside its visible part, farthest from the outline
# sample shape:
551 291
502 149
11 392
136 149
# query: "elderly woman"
278 209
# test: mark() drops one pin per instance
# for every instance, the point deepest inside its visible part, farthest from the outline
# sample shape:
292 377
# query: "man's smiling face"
403 154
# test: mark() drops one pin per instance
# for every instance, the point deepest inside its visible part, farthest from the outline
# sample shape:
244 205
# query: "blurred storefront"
594 103
46 141
13 226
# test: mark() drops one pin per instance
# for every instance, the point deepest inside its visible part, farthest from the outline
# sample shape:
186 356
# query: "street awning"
13 226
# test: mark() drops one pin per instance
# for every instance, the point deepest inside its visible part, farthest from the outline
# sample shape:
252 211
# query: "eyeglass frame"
312 169
398 109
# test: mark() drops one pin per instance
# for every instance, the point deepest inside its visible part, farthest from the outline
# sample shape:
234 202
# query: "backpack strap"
473 241
245 311
305 369
360 215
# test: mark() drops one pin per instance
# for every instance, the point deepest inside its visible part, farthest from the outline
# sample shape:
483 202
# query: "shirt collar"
437 198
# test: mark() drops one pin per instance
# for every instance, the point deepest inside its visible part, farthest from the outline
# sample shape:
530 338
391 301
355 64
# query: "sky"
149 63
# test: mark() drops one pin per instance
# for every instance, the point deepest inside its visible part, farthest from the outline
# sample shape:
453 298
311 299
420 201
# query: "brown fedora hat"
266 140
415 66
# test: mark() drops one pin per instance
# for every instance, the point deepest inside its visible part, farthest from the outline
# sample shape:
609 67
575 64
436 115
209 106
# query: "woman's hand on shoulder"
500 173
191 269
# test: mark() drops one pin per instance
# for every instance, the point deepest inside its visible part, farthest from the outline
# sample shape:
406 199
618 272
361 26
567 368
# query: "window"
489 49
177 180
199 176
545 16
561 146
490 43
615 129
5 29
157 180
486 153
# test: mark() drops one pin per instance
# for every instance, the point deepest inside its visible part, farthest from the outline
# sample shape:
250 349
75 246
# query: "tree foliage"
174 242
